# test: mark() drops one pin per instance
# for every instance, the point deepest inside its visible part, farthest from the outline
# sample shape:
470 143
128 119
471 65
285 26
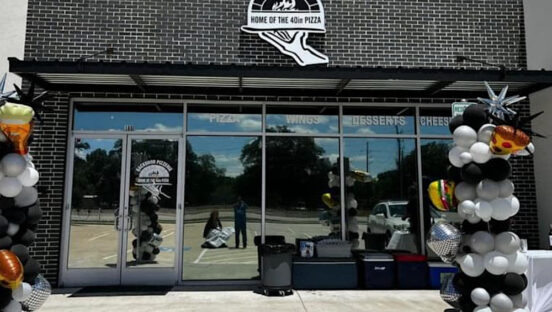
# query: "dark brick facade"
414 33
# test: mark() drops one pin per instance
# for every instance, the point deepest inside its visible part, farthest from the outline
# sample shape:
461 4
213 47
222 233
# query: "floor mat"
94 291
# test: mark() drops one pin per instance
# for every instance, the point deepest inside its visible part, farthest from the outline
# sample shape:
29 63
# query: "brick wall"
414 33
426 33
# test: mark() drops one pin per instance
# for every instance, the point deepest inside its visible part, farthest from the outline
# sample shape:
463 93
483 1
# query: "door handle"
117 218
179 206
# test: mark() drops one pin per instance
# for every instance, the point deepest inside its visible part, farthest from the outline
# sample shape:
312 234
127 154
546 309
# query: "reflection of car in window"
444 216
387 217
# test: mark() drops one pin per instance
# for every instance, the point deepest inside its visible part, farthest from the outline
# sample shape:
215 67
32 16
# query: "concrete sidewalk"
240 301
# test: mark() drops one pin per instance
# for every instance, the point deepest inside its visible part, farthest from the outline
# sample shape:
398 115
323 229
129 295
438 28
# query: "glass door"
93 211
152 206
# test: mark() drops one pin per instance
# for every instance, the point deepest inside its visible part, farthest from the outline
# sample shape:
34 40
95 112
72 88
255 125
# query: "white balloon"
22 293
484 210
13 164
10 187
520 301
464 191
482 242
350 181
517 263
3 137
485 133
29 177
471 264
474 219
501 303
467 207
521 310
454 156
464 136
27 197
514 205
480 296
482 309
496 263
507 242
12 229
353 203
465 157
487 189
528 150
506 188
13 306
480 152
502 209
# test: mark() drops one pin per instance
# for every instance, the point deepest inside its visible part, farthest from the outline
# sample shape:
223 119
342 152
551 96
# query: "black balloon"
25 237
497 169
469 228
5 242
3 225
463 283
16 216
146 256
475 116
453 174
34 213
145 236
492 283
5 297
21 252
158 229
513 284
466 304
500 226
471 173
455 122
134 243
30 271
156 251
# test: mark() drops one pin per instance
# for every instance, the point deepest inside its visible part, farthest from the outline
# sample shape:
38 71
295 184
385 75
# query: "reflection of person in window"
240 221
212 223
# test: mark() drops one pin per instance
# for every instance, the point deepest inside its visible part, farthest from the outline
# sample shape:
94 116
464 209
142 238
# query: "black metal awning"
82 76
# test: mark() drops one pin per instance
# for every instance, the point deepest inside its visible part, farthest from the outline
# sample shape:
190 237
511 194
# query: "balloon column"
489 255
147 230
332 201
21 285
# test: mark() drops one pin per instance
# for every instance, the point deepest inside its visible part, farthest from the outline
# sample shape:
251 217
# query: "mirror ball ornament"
449 293
444 239
41 291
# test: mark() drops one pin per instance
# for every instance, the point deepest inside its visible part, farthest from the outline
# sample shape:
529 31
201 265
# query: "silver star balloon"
4 95
498 104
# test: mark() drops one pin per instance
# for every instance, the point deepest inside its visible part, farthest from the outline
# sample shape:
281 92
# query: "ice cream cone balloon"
16 123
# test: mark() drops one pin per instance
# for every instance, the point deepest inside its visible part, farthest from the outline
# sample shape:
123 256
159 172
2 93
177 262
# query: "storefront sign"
459 107
153 172
286 25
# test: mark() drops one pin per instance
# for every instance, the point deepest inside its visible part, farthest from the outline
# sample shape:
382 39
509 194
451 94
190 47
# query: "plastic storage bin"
412 271
438 272
325 273
377 270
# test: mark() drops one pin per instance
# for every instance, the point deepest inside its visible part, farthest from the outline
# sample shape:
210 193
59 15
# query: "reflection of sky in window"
104 144
116 121
225 150
308 124
376 124
382 153
207 122
330 146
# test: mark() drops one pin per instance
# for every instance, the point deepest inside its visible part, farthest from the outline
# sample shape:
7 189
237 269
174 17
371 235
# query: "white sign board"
286 25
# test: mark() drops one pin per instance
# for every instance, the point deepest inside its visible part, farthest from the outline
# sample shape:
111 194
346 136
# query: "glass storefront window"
434 167
378 120
434 121
389 203
222 199
304 120
128 117
297 170
209 118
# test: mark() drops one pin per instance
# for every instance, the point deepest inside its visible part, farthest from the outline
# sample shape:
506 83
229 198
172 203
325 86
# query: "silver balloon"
444 239
449 293
41 292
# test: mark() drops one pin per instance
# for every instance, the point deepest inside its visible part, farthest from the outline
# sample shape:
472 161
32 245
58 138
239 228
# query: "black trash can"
276 268
270 240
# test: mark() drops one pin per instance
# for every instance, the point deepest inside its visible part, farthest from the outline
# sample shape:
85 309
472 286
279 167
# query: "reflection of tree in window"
97 174
296 170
